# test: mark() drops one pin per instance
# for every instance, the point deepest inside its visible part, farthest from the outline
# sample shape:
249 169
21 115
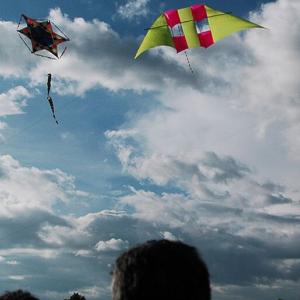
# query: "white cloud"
29 188
12 101
84 253
17 277
217 149
111 245
169 236
15 58
93 292
44 253
12 262
76 231
225 156
133 8
251 113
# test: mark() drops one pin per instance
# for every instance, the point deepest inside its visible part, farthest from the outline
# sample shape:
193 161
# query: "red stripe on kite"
206 39
172 17
180 43
198 12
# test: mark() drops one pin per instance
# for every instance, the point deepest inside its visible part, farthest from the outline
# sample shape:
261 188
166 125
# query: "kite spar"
43 38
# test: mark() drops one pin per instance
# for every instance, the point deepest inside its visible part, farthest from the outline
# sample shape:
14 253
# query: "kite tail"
49 83
52 108
54 117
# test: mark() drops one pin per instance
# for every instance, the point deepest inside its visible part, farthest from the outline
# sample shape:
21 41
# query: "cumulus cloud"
112 244
30 188
28 196
133 8
216 164
239 116
169 236
217 231
13 100
224 157
12 64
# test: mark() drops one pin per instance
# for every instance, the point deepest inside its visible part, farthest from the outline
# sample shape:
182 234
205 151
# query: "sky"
147 150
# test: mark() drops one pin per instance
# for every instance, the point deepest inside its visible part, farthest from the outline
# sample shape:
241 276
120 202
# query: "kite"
42 37
191 27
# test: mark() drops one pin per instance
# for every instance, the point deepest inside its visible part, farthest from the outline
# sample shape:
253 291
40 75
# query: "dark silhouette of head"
76 296
161 270
18 295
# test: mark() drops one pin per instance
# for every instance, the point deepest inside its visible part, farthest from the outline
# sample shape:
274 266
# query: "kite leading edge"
190 27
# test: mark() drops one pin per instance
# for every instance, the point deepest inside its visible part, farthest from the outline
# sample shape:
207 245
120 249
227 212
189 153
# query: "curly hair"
161 270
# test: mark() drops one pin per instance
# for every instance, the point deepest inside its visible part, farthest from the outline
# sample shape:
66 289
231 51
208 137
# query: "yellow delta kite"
191 27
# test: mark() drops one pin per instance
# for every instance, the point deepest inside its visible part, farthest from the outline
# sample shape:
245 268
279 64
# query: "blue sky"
146 150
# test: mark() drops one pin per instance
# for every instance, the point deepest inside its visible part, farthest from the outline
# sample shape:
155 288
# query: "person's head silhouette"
161 270
17 295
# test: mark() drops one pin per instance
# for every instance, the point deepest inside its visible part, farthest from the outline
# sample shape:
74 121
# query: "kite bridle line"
45 56
161 26
185 52
25 43
66 37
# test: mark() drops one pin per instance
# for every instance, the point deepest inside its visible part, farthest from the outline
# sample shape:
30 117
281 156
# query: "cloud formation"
23 188
223 158
216 165
111 245
12 101
228 235
133 8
